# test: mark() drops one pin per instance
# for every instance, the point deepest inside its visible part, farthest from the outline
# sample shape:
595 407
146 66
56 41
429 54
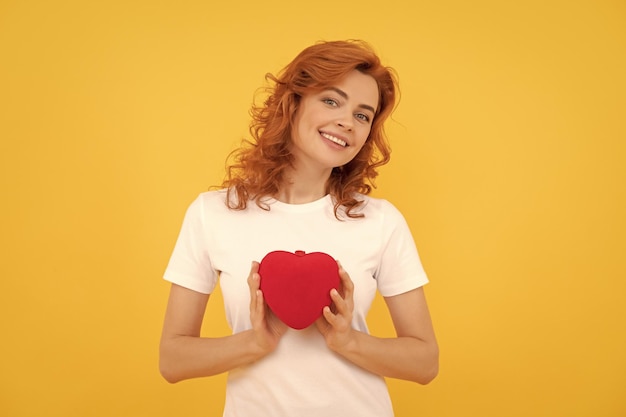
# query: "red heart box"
296 286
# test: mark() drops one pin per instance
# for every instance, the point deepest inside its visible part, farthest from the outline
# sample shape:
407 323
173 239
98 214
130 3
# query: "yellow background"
509 165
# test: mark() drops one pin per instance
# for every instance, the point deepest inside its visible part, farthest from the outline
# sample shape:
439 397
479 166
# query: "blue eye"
363 117
330 102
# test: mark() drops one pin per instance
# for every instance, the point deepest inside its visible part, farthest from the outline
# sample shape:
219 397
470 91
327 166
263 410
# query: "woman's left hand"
412 355
335 324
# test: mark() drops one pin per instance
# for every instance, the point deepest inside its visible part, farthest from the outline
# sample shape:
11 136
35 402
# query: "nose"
345 121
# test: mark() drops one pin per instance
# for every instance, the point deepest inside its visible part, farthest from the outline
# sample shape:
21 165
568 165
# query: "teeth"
334 139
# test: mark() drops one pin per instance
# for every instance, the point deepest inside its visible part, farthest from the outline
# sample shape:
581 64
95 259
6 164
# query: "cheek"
364 136
367 141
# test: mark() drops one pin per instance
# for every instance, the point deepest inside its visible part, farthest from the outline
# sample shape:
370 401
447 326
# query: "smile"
334 139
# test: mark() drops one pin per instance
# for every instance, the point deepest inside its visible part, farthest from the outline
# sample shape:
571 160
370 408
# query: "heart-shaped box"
296 286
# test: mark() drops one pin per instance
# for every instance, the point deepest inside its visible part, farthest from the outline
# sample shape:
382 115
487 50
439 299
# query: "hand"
267 328
336 321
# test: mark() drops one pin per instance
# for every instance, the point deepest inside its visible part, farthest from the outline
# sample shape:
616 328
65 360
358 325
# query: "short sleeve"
400 269
190 264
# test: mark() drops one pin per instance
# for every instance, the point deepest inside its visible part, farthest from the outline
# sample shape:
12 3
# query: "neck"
300 188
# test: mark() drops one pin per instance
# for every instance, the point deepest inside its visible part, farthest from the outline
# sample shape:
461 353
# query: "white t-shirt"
302 377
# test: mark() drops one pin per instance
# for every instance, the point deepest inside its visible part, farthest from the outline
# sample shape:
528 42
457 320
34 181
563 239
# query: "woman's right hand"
184 354
267 328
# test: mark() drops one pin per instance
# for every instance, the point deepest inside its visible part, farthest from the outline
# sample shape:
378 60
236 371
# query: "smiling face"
331 126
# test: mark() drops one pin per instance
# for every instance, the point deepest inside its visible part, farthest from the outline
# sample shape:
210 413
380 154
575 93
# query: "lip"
337 135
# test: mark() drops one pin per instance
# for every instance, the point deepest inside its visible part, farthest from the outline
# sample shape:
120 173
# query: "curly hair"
257 168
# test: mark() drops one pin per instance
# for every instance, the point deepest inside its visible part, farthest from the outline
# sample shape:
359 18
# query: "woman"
302 184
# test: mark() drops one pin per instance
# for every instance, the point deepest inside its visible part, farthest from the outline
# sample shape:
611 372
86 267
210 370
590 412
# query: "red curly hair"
257 168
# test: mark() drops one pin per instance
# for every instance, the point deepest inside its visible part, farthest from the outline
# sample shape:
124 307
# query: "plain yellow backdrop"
509 165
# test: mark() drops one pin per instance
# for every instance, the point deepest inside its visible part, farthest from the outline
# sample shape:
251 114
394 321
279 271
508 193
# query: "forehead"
360 88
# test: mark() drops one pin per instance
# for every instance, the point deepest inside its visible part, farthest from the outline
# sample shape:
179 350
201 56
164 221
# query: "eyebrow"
345 95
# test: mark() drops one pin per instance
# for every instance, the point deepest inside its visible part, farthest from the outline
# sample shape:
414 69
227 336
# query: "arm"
184 354
412 355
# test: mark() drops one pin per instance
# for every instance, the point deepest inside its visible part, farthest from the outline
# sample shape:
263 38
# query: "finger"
347 285
254 281
340 303
330 317
260 304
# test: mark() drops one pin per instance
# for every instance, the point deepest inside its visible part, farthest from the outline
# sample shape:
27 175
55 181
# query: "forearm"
185 357
407 358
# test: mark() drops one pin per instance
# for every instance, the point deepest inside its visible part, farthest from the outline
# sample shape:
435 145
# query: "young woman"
302 183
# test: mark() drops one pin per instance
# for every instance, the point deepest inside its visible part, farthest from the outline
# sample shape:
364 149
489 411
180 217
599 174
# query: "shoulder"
378 208
207 204
209 198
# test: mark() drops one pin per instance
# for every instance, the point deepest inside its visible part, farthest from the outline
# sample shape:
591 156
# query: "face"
332 126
